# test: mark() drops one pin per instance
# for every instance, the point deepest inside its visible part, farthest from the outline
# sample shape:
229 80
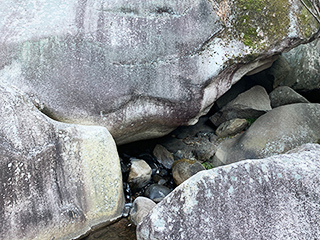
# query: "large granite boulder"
57 180
277 131
273 198
305 67
140 68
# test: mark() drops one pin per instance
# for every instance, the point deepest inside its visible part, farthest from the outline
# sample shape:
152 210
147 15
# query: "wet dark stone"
156 191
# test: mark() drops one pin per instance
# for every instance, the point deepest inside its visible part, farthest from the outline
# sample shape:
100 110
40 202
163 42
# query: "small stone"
141 207
184 169
163 156
140 174
231 127
156 192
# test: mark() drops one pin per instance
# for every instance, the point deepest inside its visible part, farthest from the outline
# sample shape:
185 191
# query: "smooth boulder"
58 181
140 68
277 131
273 198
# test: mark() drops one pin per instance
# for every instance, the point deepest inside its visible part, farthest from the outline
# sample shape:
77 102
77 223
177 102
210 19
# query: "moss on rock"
259 21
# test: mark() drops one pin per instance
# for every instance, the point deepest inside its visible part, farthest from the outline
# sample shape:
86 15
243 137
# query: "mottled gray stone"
231 127
273 198
139 68
275 132
250 104
140 174
183 169
285 95
58 181
163 156
141 207
304 61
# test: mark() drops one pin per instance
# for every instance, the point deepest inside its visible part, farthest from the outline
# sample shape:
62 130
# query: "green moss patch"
260 23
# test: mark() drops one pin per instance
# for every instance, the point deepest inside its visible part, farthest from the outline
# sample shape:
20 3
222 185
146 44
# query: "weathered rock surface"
273 198
285 95
141 207
140 68
57 180
183 169
305 67
250 104
277 131
231 127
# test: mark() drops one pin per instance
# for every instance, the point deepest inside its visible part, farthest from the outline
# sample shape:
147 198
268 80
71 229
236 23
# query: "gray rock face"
277 131
50 173
139 68
141 207
250 104
305 67
285 95
273 198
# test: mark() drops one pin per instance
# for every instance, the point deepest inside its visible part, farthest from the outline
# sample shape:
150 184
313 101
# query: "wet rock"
127 209
285 95
250 104
231 127
276 132
184 169
273 198
163 156
156 192
151 160
140 174
141 207
58 180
